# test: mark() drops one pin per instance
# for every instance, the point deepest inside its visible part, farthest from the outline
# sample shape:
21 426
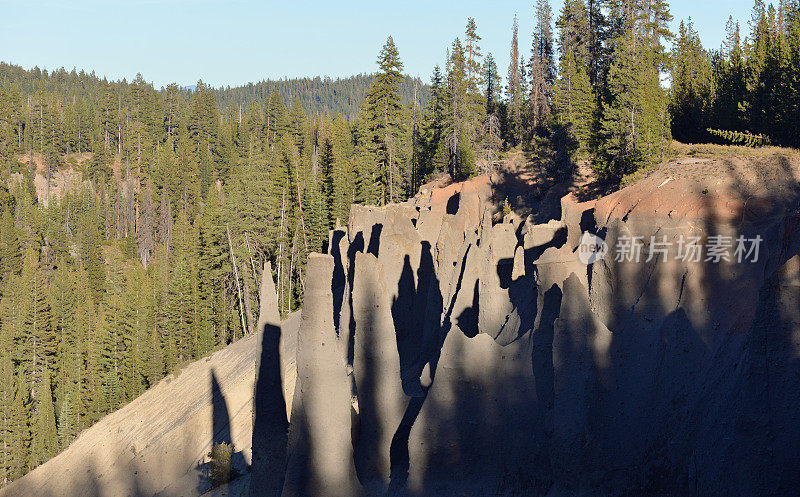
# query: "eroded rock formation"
484 358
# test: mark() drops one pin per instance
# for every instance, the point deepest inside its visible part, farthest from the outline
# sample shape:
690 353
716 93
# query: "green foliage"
99 169
35 340
384 124
435 158
541 71
341 183
691 90
574 32
45 442
514 98
10 249
7 395
179 319
20 441
575 104
137 318
91 255
318 95
460 121
67 423
220 464
465 162
748 90
635 123
740 138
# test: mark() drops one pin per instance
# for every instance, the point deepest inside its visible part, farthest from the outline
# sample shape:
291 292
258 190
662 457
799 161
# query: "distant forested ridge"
317 95
320 95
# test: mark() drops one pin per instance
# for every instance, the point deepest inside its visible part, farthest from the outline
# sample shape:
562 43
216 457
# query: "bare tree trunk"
414 168
49 176
252 263
300 205
391 170
236 275
281 268
247 305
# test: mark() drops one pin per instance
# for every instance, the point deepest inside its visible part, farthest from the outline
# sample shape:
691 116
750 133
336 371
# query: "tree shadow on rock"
416 313
270 425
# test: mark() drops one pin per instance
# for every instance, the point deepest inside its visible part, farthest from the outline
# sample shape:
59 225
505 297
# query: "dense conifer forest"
135 221
319 95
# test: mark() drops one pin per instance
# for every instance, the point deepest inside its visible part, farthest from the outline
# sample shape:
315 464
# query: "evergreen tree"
599 56
574 103
763 76
136 320
10 123
100 369
574 33
146 226
20 428
458 133
153 256
317 211
45 442
35 337
214 269
635 123
203 135
473 54
108 117
383 114
492 85
514 92
690 92
730 94
435 157
10 249
475 111
155 365
542 69
792 81
657 18
491 141
91 251
342 174
6 411
61 298
67 423
275 122
76 371
179 319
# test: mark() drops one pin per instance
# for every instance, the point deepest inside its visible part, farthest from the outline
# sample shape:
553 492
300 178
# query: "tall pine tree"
383 114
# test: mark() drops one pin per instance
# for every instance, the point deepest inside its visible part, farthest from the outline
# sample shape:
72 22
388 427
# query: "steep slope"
158 444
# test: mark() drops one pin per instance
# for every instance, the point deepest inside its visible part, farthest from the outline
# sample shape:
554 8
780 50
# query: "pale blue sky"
230 42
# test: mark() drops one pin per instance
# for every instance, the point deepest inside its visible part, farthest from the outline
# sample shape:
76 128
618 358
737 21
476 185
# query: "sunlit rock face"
320 458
